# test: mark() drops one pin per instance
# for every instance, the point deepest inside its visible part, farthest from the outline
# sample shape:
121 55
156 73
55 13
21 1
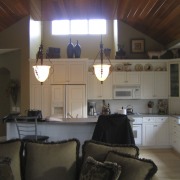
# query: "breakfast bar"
65 128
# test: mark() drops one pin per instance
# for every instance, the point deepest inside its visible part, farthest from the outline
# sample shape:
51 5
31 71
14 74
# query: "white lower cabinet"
175 134
155 131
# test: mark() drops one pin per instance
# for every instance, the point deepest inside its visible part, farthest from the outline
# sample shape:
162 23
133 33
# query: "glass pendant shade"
101 71
41 72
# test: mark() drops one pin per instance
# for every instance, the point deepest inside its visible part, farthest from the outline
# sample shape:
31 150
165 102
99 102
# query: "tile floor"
167 161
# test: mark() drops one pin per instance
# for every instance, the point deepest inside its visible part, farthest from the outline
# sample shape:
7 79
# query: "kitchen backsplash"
139 106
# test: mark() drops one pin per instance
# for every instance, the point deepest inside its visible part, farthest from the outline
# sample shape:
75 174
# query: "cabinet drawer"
176 128
176 133
137 120
148 119
161 119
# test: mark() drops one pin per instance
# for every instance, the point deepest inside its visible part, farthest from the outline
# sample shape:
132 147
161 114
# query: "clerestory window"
92 26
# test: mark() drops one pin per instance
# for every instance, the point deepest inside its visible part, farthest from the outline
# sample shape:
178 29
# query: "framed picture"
137 46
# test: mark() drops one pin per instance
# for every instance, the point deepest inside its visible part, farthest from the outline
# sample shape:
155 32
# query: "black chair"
113 129
27 129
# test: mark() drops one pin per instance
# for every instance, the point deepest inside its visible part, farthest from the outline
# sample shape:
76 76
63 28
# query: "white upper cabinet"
69 72
154 85
126 78
161 84
96 90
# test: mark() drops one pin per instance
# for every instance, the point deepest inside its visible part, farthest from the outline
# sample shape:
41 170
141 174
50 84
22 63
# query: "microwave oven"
127 92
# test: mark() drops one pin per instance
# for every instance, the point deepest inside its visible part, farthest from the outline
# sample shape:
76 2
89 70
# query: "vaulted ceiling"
159 19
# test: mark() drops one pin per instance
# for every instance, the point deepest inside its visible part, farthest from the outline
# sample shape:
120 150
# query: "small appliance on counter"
92 109
129 109
122 111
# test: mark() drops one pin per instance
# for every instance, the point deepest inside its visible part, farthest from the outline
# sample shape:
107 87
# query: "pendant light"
41 71
101 70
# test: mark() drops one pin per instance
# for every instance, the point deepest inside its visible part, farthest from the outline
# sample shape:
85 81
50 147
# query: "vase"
150 110
70 50
77 50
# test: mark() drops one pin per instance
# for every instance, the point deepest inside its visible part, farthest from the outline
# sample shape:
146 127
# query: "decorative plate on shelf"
119 67
158 68
139 67
148 67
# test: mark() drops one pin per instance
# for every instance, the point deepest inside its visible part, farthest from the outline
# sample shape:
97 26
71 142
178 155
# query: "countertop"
93 119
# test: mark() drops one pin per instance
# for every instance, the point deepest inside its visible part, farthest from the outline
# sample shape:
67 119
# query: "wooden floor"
167 161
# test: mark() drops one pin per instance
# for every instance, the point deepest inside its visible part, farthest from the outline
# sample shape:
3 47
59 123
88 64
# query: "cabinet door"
58 100
96 90
119 78
174 79
77 73
162 134
175 143
147 85
129 78
60 73
161 85
148 134
133 78
76 101
40 99
69 73
107 88
35 96
46 100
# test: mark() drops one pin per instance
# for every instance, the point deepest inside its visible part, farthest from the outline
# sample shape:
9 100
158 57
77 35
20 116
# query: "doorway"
4 99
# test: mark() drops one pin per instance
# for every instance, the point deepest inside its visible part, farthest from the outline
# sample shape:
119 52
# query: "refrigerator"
68 101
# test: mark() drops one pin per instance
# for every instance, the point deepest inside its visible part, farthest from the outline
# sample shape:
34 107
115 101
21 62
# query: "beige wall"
126 33
12 61
89 43
17 36
34 37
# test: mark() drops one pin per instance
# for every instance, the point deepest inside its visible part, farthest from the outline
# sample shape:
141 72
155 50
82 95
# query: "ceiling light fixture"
101 70
41 71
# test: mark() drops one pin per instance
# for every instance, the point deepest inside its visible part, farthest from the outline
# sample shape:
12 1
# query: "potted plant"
150 106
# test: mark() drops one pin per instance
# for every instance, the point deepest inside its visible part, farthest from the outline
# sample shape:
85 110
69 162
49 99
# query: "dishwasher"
137 130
